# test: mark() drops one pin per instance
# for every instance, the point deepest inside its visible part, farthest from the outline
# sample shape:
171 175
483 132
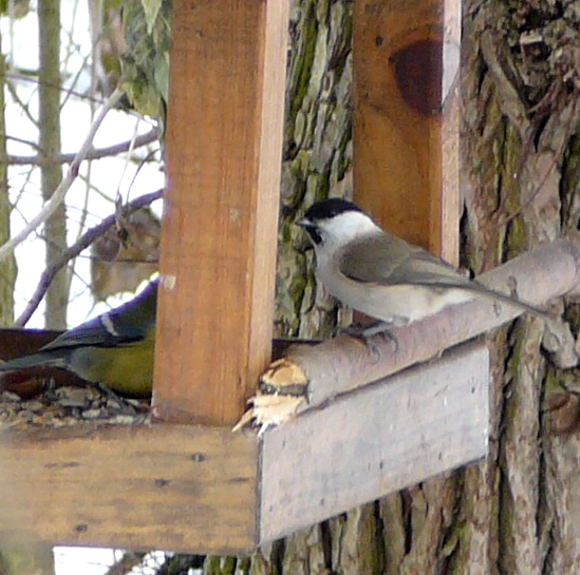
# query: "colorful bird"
114 349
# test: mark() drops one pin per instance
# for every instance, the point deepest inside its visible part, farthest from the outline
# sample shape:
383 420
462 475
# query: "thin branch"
92 154
83 242
126 164
21 103
32 78
73 47
58 196
69 91
27 174
22 141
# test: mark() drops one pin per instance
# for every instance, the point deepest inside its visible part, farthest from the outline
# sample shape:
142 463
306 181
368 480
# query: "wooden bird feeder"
187 482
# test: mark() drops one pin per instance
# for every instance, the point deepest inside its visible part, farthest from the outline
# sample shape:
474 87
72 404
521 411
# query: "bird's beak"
310 229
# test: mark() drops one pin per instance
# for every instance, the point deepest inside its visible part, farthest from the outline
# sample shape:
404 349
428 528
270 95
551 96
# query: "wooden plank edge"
172 487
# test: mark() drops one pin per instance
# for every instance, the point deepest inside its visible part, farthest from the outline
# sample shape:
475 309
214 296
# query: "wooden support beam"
406 120
218 247
379 439
185 488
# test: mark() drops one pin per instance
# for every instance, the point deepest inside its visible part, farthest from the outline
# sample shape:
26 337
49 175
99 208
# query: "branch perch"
344 363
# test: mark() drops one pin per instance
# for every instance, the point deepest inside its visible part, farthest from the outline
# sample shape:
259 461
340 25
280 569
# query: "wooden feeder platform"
364 426
202 488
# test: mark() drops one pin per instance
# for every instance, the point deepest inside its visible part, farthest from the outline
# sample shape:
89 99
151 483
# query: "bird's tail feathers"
508 300
30 361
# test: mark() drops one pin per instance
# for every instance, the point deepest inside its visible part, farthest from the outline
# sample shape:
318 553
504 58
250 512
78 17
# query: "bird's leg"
116 398
368 330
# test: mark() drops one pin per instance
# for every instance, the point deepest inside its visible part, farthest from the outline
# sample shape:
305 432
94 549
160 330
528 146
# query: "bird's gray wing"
388 260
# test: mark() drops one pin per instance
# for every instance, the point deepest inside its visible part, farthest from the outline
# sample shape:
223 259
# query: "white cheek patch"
345 228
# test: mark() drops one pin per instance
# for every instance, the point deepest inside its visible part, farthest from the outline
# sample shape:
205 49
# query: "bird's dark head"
334 221
327 209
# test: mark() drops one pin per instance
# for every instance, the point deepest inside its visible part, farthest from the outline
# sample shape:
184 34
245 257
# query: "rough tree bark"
521 508
317 153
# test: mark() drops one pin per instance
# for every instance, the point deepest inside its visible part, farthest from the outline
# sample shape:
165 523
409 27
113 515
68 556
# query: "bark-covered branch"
93 154
82 243
341 364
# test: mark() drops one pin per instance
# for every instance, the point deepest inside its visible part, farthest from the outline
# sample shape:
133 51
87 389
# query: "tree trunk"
317 153
7 267
519 510
49 91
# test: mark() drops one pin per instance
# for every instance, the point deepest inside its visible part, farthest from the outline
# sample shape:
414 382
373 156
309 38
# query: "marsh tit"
382 275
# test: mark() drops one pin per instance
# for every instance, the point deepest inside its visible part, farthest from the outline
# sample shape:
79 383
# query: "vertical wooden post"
218 248
406 121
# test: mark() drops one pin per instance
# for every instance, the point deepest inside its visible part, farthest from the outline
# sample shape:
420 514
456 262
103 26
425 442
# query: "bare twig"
58 196
24 107
83 242
22 141
33 79
80 95
93 154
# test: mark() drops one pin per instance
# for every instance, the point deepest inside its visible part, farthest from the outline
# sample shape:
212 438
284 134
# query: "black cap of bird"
114 349
382 275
